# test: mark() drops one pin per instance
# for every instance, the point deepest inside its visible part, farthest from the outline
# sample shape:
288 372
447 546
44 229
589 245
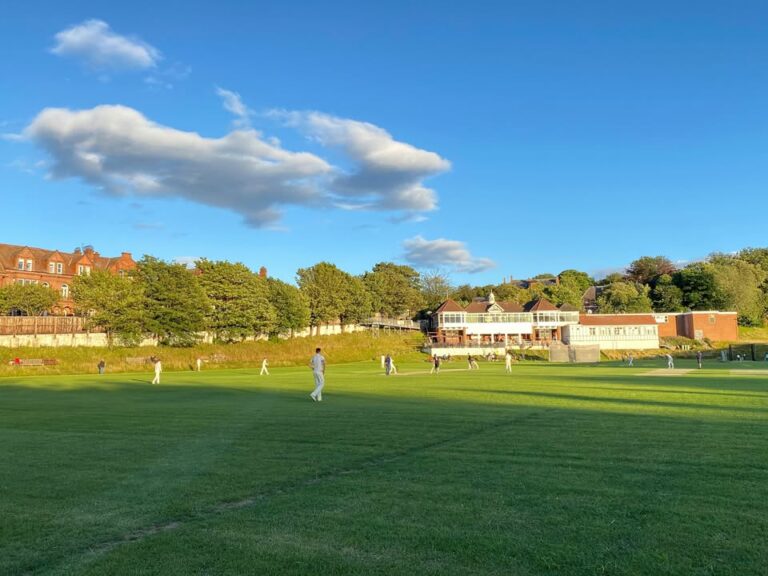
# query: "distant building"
589 298
486 322
614 331
56 270
699 324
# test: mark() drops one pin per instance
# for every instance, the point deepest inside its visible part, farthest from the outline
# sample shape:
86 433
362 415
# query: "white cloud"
387 174
122 152
234 104
94 42
442 252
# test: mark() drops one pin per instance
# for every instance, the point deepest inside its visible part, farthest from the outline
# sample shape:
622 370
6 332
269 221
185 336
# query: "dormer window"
51 267
20 264
59 268
83 270
28 266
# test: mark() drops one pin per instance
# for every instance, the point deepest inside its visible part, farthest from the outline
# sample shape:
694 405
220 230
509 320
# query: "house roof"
616 319
568 308
592 292
10 252
449 306
540 305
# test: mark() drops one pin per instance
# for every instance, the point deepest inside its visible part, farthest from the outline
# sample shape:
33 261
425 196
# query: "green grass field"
561 470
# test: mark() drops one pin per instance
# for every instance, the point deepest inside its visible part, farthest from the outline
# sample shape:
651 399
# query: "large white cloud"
119 150
443 253
94 42
387 174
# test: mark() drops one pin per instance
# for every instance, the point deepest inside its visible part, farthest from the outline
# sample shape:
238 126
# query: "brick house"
55 269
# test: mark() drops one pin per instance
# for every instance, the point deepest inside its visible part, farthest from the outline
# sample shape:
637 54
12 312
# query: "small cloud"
408 219
233 103
166 78
443 252
188 261
100 48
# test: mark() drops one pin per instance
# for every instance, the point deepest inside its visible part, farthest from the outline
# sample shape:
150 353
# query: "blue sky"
486 139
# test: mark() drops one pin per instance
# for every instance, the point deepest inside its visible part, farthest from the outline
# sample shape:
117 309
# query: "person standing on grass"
387 364
435 364
392 367
317 363
264 369
670 361
199 364
699 358
101 366
158 371
508 361
630 359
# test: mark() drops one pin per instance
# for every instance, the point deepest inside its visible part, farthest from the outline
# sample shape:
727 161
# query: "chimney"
125 254
262 272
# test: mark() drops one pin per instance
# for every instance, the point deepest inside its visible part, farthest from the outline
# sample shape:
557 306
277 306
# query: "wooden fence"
24 325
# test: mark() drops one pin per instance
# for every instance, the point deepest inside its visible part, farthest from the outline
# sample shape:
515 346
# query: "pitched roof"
476 306
592 292
540 305
568 308
616 319
449 306
510 306
9 253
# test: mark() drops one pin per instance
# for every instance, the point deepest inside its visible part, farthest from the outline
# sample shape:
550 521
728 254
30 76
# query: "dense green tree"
357 302
699 286
239 300
113 303
666 296
435 288
740 282
394 289
291 307
175 304
29 299
611 278
756 256
325 287
570 289
624 297
647 269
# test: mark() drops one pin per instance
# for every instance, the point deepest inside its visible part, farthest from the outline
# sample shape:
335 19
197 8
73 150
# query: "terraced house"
56 269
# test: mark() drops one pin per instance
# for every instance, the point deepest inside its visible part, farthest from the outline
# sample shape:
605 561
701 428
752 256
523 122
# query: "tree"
291 307
611 278
113 303
324 286
175 304
29 299
666 296
357 302
699 287
435 289
570 290
624 297
740 283
394 289
239 300
647 269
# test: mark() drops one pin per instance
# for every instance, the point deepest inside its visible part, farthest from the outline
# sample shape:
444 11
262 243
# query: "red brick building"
715 325
55 269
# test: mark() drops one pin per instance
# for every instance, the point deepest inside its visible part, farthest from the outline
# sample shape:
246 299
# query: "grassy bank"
340 348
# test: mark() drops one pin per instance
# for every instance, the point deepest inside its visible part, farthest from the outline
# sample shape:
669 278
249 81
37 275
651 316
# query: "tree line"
229 301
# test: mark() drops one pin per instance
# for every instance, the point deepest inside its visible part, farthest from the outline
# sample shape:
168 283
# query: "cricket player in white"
264 370
508 362
670 361
158 370
317 363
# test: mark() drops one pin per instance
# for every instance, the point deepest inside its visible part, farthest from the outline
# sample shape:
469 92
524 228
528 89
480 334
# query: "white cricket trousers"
264 371
317 393
156 379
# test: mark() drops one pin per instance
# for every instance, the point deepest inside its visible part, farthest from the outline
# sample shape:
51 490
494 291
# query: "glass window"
64 291
59 268
51 267
20 264
29 265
